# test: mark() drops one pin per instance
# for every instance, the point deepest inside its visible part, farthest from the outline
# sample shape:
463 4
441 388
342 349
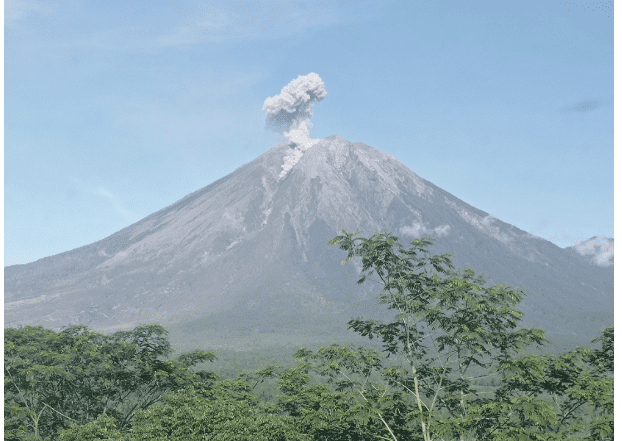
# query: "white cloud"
418 230
485 224
442 230
599 247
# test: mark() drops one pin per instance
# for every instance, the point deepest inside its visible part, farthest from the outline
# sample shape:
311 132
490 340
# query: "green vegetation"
453 364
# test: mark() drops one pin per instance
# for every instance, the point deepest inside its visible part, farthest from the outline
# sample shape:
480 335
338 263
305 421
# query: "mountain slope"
254 242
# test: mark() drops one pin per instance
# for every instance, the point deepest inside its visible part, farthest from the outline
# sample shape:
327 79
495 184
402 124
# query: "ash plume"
290 112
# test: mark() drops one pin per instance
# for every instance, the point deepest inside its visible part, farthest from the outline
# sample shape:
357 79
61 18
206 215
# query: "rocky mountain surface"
255 242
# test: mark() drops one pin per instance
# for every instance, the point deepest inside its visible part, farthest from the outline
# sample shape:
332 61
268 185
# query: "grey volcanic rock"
595 250
255 242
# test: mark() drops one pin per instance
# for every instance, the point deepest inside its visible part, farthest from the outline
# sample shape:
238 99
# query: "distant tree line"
453 366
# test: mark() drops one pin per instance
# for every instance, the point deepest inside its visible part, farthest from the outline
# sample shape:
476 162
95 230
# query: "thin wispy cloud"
190 22
245 20
118 39
17 10
21 17
100 191
242 20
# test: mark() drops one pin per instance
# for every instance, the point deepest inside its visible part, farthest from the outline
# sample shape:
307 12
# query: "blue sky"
116 109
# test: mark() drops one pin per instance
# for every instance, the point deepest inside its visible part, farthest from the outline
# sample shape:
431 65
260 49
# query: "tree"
355 407
55 380
103 428
227 412
35 378
579 385
600 395
447 323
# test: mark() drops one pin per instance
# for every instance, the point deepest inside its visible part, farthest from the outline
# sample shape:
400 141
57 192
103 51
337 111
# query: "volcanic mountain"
255 243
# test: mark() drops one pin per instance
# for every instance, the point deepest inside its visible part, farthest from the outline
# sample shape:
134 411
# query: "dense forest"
454 364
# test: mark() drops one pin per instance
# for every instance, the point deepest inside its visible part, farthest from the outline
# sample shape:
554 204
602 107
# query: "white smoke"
290 112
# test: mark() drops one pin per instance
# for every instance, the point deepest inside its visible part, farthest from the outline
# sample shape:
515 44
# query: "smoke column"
290 112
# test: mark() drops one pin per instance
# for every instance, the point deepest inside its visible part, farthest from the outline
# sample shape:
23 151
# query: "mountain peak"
296 151
256 239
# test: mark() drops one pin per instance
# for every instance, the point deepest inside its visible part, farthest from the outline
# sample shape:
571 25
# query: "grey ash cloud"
290 112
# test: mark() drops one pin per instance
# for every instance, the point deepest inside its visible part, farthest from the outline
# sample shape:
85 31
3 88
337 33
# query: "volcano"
255 242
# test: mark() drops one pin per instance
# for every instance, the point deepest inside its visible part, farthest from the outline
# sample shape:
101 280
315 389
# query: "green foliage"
226 413
103 428
324 413
56 380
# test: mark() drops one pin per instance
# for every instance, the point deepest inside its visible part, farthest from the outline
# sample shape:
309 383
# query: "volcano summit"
255 242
